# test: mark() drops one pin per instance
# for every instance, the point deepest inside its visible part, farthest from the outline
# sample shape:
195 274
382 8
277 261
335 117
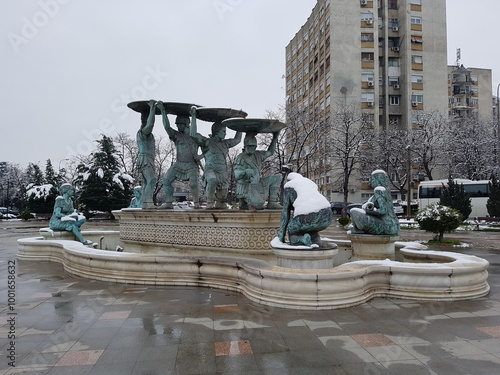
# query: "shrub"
344 220
26 215
454 196
439 219
493 203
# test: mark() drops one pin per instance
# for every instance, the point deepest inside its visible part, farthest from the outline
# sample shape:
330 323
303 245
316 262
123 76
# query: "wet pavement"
63 324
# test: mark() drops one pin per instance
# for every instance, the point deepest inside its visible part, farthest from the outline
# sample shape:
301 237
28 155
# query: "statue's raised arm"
166 122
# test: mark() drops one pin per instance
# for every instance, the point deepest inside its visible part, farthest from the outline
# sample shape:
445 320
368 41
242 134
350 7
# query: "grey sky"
70 66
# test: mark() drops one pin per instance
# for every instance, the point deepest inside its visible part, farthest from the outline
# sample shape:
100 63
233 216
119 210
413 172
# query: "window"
416 59
393 42
419 99
394 121
367 56
416 39
393 81
416 20
367 77
393 22
367 118
416 2
393 4
417 78
367 37
368 97
366 16
393 61
393 100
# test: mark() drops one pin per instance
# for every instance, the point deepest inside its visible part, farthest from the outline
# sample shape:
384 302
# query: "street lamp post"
498 130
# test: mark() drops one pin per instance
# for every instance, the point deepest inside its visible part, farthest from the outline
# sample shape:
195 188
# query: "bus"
479 191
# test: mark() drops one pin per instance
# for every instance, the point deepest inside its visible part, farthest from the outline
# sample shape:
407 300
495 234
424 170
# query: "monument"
186 166
375 226
65 217
305 213
230 249
146 147
253 190
215 149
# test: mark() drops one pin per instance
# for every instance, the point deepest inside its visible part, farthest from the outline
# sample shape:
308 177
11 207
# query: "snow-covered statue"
65 217
305 212
377 215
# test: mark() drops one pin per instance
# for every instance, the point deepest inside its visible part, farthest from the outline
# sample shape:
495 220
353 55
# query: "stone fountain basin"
422 275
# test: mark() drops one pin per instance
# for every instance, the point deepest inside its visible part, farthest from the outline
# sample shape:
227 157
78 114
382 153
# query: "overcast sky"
69 67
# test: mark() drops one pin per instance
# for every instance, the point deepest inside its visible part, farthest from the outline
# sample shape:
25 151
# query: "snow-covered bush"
439 219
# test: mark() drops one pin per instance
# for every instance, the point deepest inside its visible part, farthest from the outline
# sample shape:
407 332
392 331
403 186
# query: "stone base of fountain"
305 259
423 275
371 247
199 232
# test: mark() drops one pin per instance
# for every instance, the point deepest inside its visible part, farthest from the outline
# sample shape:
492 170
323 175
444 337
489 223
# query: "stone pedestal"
202 232
305 259
369 246
49 234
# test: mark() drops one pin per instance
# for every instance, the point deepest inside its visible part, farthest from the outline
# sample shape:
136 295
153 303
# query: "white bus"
430 191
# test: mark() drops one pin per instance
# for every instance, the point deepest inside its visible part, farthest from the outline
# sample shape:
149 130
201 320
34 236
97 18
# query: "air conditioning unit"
395 28
370 104
396 86
414 104
369 21
370 83
364 2
395 49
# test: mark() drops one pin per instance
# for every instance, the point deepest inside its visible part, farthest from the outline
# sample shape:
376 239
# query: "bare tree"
299 141
165 152
472 149
348 143
127 153
429 140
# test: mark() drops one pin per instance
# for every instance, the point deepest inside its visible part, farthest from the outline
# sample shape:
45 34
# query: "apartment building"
469 92
389 57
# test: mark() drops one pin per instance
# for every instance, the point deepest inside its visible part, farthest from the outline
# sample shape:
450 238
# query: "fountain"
245 250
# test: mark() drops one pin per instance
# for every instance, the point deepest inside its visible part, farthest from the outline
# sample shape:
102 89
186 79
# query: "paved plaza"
65 324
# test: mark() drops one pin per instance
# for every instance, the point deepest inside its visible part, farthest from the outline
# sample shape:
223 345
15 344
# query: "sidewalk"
69 325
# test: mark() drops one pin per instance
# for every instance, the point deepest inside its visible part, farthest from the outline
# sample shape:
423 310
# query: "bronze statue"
376 215
253 190
146 157
65 217
186 166
305 212
215 149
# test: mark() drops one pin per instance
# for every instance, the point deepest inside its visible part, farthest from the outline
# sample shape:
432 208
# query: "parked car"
347 212
337 207
398 209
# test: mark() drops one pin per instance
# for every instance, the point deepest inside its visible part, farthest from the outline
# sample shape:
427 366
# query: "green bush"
344 221
26 215
454 196
439 219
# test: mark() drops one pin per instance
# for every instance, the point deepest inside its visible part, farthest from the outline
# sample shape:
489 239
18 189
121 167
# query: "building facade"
469 92
389 57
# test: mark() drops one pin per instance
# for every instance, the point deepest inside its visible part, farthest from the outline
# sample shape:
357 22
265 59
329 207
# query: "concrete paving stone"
235 364
413 367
